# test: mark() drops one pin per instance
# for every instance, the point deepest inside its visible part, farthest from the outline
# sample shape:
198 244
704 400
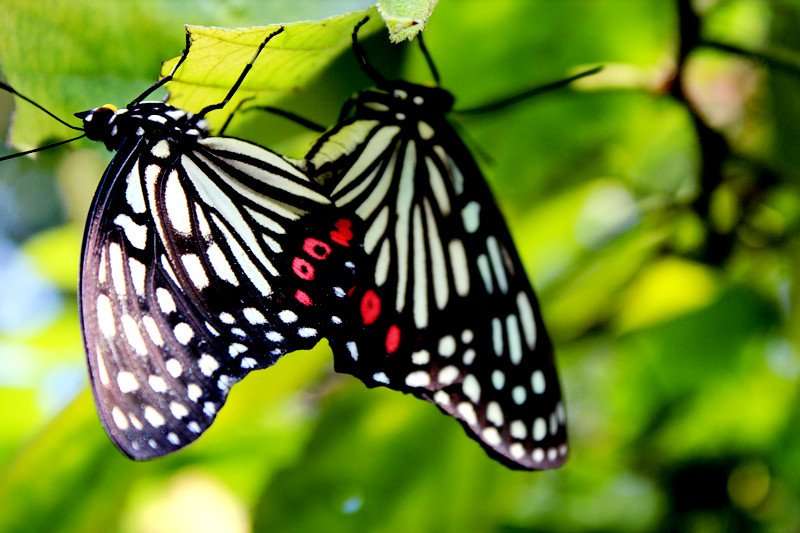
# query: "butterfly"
448 315
203 258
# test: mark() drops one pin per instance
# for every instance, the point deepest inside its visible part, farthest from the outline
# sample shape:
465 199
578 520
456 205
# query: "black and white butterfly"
448 314
203 258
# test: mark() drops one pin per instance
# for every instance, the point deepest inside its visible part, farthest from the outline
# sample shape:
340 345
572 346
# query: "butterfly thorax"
154 120
400 102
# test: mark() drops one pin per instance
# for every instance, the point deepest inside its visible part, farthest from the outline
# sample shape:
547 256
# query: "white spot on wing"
133 191
519 395
174 368
537 382
161 148
418 378
127 382
527 319
152 330
133 335
119 418
377 230
208 365
254 316
165 301
138 273
177 205
353 349
459 265
105 316
448 375
183 333
382 264
441 288
514 339
157 383
497 336
470 215
498 379
117 269
194 268
178 410
422 357
485 272
518 430
135 233
194 392
287 316
405 198
539 429
153 417
494 413
420 282
497 263
220 265
491 436
447 346
471 388
467 413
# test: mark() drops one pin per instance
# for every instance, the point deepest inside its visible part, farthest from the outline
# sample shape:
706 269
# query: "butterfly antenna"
429 59
361 56
41 148
8 88
136 101
524 95
239 81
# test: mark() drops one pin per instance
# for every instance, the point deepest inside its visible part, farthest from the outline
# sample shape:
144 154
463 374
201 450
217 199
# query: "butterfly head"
419 97
155 120
403 101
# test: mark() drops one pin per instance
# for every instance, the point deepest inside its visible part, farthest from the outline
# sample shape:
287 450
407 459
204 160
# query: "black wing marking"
195 272
449 315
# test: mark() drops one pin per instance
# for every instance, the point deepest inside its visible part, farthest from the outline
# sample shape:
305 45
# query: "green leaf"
405 18
53 55
288 62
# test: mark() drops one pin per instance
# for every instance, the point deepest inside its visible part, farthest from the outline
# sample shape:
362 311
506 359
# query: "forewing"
449 314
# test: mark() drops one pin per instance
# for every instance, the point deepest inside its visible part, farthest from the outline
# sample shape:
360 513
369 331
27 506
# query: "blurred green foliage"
672 297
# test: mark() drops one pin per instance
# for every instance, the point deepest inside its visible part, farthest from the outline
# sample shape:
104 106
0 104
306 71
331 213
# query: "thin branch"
782 60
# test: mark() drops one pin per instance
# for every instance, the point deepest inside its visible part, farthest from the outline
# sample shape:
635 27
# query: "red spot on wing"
303 268
370 307
392 339
303 298
343 233
316 248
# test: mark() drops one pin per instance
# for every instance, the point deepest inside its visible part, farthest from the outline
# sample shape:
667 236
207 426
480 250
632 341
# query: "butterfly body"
449 314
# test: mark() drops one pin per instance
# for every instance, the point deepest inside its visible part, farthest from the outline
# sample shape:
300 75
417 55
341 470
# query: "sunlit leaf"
290 59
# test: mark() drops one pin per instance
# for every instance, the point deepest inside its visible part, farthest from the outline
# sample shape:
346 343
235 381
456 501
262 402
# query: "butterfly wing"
449 314
187 282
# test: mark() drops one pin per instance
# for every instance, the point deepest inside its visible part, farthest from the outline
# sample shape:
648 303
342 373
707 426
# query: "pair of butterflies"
205 258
